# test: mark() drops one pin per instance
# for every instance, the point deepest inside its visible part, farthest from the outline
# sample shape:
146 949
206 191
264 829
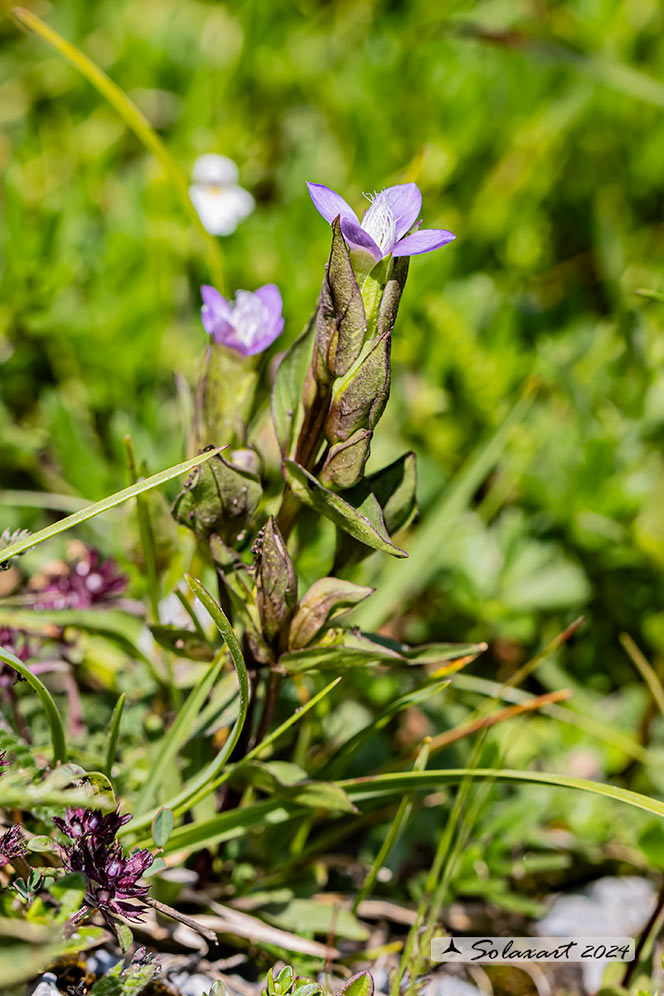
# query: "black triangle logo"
451 948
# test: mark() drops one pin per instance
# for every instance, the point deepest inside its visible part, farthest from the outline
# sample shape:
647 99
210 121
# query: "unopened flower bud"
359 398
344 464
219 498
276 581
341 324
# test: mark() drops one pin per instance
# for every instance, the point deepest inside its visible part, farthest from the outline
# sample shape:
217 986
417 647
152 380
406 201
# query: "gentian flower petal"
357 238
248 325
216 313
330 204
270 296
425 241
405 202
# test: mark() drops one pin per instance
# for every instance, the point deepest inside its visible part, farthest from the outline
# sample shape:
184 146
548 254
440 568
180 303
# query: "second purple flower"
247 325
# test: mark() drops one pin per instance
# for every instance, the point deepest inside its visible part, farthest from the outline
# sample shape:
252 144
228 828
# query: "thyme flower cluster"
112 878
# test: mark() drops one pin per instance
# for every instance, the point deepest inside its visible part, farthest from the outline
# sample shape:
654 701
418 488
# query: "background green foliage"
530 139
535 132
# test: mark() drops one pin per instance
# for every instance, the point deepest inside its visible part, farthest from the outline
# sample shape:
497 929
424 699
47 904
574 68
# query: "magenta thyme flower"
112 878
385 225
86 579
80 823
12 845
247 325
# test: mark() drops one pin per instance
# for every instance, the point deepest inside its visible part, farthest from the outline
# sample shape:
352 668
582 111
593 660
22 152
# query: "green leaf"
290 782
114 732
69 891
211 770
157 866
378 785
162 826
124 935
231 825
326 599
287 388
361 984
395 489
40 844
46 699
363 524
318 918
182 642
302 987
337 656
105 504
353 649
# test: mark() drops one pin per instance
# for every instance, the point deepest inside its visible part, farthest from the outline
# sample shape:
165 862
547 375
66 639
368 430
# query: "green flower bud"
224 395
344 464
359 398
341 324
276 581
220 497
389 302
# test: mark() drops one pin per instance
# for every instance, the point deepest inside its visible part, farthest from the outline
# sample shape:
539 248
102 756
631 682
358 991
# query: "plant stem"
146 534
306 450
271 697
645 934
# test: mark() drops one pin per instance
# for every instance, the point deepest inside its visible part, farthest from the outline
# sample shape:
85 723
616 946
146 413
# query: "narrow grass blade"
146 534
176 737
401 583
46 699
266 742
485 722
416 697
105 504
374 786
38 499
396 829
237 823
116 719
645 669
211 770
562 714
135 120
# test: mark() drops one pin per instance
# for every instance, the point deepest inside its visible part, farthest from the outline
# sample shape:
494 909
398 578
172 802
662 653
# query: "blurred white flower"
220 202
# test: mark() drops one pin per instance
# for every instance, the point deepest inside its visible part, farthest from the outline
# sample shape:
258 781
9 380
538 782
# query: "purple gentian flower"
249 324
383 230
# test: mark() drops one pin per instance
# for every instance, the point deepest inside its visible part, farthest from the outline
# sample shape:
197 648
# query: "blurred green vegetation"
534 130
